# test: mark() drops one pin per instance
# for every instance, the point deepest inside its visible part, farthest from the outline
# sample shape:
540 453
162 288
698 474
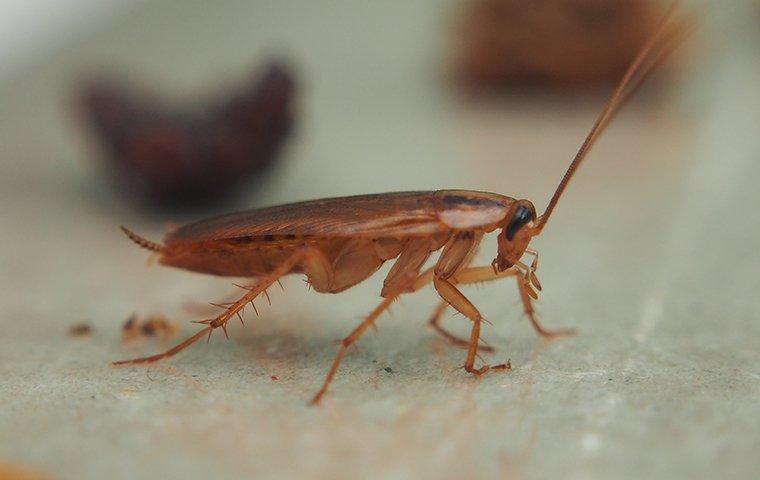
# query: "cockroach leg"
456 299
347 342
463 277
402 270
455 255
172 351
405 269
472 353
435 324
223 318
525 289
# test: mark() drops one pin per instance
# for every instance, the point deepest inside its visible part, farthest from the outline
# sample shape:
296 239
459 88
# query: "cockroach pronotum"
339 242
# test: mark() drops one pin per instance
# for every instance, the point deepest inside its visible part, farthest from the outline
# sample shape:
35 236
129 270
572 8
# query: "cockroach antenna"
670 33
144 243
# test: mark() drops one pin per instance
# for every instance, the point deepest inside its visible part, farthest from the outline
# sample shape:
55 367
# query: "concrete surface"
652 255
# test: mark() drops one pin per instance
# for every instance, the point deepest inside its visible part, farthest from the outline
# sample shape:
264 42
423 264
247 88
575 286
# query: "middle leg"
404 277
454 258
458 301
463 277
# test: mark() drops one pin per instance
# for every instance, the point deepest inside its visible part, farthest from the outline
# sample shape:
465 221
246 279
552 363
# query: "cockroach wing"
375 215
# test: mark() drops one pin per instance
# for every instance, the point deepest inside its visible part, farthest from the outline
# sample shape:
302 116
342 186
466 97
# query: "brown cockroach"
339 242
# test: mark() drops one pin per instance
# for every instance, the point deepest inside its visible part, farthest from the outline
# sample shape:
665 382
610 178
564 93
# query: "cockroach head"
519 226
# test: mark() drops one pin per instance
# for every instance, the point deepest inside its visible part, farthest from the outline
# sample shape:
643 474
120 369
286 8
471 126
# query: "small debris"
151 326
388 369
274 378
81 329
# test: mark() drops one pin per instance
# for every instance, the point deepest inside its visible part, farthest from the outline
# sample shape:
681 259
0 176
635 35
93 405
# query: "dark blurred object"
152 326
549 43
81 329
183 159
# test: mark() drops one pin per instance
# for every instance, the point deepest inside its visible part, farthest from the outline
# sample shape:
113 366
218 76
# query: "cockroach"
339 242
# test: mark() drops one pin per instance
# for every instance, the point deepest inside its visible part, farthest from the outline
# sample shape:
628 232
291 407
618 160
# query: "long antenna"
652 53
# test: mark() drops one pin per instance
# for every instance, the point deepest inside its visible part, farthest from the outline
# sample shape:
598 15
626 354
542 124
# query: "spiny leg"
233 309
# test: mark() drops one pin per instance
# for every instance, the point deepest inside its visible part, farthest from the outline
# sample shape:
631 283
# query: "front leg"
525 291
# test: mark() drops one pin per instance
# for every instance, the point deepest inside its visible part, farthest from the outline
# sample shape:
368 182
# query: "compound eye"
522 216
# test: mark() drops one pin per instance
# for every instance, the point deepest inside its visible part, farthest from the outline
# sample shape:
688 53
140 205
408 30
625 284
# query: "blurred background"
153 113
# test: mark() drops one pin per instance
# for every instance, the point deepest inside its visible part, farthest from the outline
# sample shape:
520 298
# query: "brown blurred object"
549 43
81 329
151 326
179 158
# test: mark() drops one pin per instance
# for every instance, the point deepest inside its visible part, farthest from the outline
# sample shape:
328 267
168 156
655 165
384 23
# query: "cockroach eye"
522 216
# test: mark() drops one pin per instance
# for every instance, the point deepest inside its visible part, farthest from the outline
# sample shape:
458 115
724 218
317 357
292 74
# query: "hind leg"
310 259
